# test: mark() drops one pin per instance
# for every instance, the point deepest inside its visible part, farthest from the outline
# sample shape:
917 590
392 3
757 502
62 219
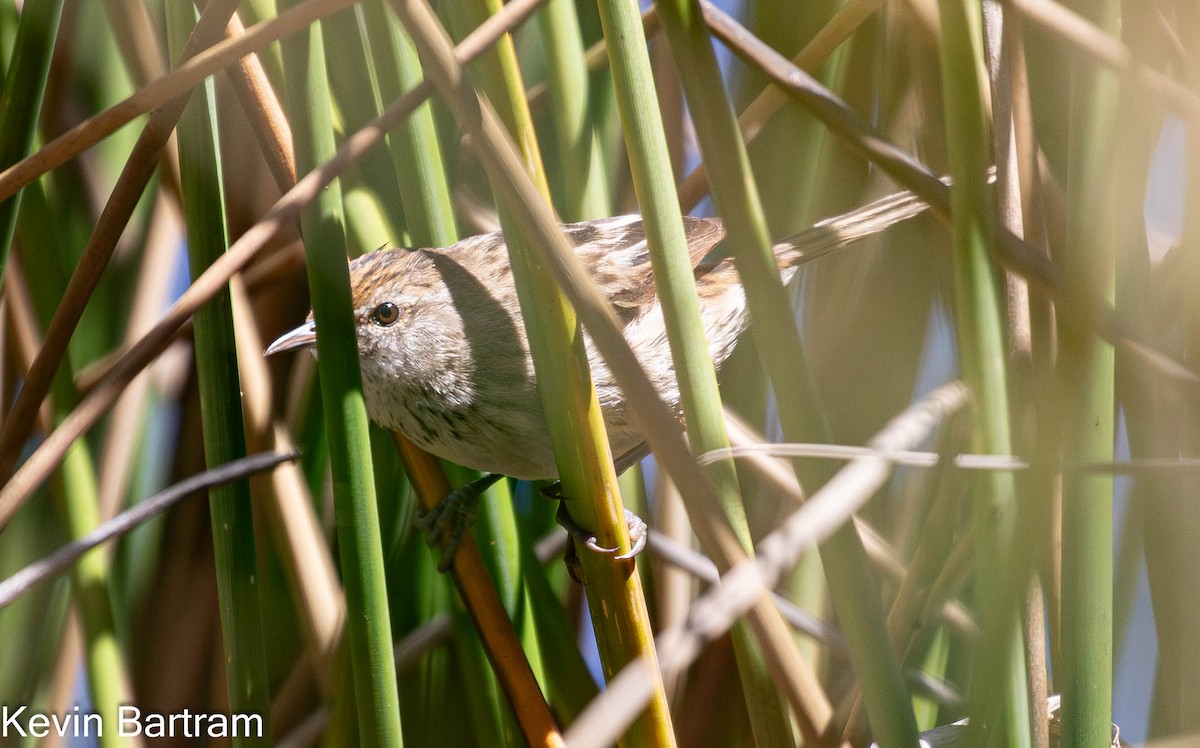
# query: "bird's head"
394 297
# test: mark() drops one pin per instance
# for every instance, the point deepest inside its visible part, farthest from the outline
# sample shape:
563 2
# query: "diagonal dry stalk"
751 121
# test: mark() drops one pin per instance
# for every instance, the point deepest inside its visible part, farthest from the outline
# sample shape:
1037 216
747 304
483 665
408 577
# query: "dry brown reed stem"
1036 232
266 118
295 527
116 214
1007 79
264 112
272 267
281 216
64 556
925 14
296 697
692 563
951 613
137 42
778 473
478 593
420 641
673 586
66 671
144 58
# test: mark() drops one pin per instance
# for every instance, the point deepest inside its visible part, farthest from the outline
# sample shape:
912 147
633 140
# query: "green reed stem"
851 584
584 182
75 484
428 211
414 145
650 165
24 87
1086 380
356 92
220 401
359 543
999 691
90 587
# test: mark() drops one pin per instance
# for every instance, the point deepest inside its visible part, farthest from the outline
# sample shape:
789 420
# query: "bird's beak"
304 336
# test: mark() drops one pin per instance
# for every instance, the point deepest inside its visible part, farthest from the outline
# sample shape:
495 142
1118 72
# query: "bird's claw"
638 534
638 531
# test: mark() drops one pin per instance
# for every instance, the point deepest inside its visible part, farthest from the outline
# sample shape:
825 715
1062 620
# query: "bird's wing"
615 251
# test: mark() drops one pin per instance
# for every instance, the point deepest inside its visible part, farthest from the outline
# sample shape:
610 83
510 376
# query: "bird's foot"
445 524
635 524
638 533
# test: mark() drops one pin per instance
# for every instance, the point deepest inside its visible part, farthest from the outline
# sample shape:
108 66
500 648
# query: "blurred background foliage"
1091 105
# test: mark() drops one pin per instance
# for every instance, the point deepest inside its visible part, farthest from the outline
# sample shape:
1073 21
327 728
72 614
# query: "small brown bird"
444 356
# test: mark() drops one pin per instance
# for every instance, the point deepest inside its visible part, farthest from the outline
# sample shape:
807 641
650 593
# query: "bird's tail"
843 230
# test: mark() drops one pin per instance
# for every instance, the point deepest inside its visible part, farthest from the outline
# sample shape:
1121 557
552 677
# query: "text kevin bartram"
22 722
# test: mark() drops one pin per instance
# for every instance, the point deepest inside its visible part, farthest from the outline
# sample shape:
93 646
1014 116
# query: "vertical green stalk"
21 99
1086 380
999 689
24 80
417 159
361 550
569 399
852 588
584 185
356 94
220 400
584 462
90 587
416 151
831 180
650 165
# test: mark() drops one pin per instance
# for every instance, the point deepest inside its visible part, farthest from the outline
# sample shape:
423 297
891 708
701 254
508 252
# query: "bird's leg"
445 524
638 532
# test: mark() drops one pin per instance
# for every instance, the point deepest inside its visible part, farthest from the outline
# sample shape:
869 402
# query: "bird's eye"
386 314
